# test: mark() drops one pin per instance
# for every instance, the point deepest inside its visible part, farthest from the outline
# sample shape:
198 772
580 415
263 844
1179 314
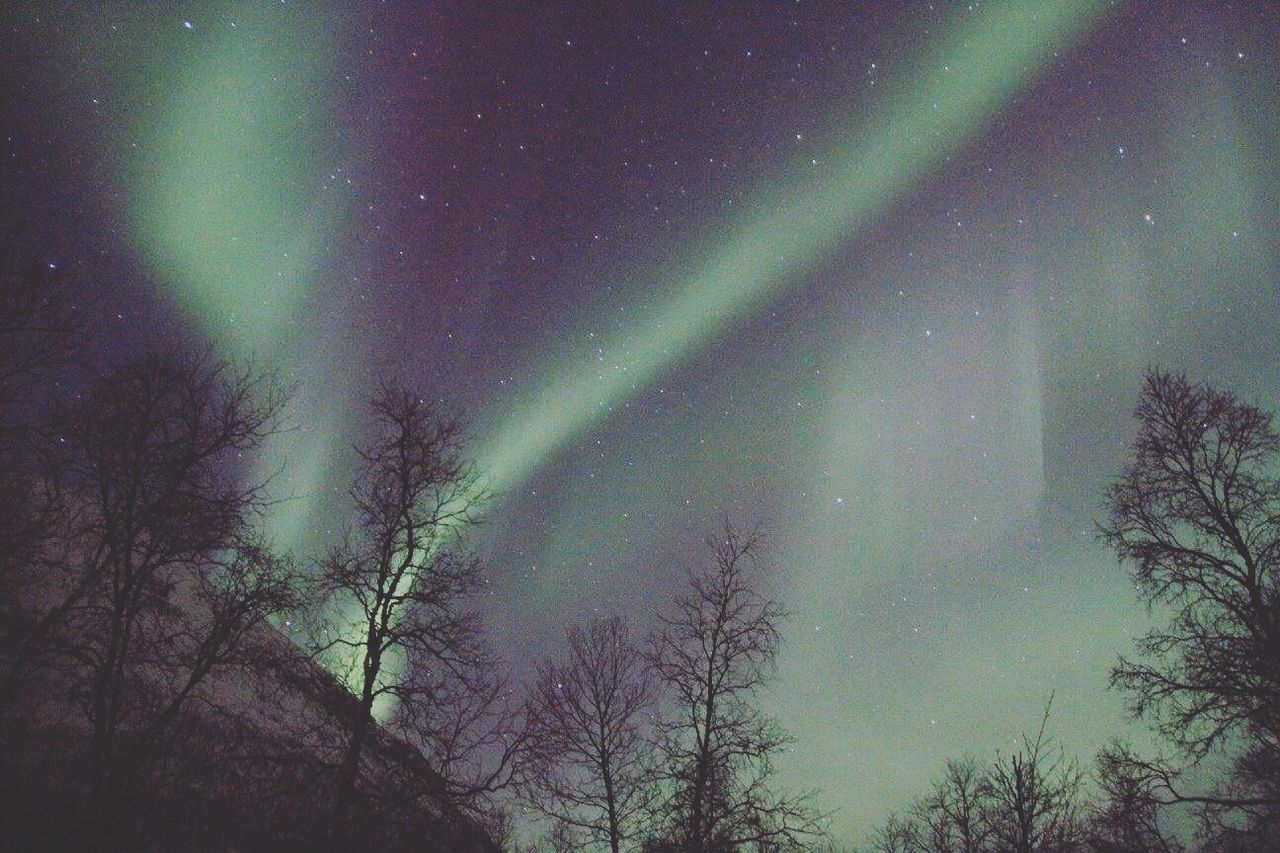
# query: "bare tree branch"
1196 515
711 656
400 588
590 765
156 577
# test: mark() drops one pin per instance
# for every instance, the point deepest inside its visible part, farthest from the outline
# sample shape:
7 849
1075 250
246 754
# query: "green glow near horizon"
794 224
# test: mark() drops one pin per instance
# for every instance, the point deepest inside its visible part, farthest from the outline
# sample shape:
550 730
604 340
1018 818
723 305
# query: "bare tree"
158 577
400 582
1026 802
712 655
1196 515
466 721
589 766
1127 818
899 834
1035 797
957 816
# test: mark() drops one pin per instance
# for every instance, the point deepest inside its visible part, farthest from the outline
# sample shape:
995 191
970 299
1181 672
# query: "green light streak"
797 223
230 207
988 60
228 210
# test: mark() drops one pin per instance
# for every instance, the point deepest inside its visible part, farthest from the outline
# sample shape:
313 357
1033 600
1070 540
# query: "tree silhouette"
589 768
157 578
463 716
713 653
1196 516
1035 797
399 578
957 817
1127 816
1026 802
900 834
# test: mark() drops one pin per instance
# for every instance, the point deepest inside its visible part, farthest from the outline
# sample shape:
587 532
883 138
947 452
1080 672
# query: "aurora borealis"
884 278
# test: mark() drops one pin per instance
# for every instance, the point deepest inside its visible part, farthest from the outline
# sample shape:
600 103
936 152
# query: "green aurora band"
229 214
236 147
235 213
793 226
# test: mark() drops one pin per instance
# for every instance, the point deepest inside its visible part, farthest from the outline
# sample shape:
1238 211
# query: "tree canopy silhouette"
590 767
155 576
1196 516
401 585
712 655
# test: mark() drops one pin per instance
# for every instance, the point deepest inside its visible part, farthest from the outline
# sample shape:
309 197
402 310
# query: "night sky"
883 278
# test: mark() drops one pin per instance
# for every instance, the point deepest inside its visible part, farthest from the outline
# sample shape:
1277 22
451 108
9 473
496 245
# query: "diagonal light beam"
990 57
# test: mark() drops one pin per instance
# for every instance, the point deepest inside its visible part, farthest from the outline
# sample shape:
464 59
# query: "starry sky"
883 277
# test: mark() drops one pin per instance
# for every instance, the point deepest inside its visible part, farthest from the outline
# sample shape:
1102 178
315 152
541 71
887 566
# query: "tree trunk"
345 793
344 796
